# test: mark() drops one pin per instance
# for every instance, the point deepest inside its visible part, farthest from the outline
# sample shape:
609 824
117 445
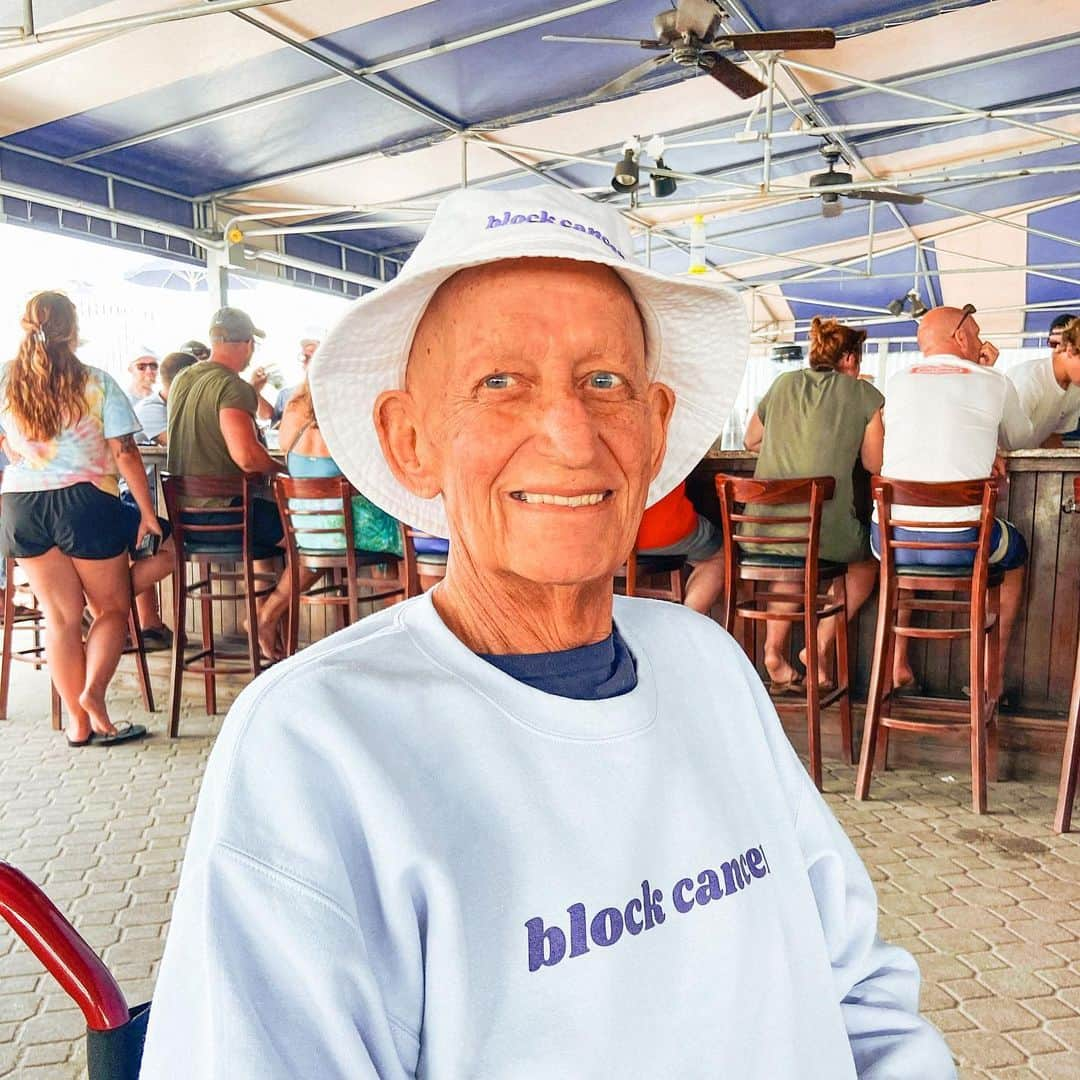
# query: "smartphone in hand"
149 546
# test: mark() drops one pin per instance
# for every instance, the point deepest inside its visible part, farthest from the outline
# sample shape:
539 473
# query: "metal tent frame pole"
133 22
313 85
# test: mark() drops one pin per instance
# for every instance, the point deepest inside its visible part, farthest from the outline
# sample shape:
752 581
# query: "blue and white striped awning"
324 132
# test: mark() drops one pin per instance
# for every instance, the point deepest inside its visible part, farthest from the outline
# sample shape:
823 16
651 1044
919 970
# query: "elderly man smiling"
507 829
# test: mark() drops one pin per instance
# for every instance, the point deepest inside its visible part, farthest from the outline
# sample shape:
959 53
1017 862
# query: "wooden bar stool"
424 566
898 601
803 575
23 618
28 618
340 555
1070 762
220 553
673 567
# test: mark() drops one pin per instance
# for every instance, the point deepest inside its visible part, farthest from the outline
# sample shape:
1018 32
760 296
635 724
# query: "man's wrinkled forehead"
450 304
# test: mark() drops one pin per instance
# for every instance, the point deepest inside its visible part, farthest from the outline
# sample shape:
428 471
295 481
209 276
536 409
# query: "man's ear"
401 437
661 400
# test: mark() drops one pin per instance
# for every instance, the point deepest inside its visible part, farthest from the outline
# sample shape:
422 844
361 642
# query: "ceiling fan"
691 34
831 206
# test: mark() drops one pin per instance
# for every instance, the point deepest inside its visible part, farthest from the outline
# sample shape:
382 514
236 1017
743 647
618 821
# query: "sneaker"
157 639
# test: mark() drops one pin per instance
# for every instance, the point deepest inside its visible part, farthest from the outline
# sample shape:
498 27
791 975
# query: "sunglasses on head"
967 311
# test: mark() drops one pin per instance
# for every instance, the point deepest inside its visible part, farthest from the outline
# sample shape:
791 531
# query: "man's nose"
569 430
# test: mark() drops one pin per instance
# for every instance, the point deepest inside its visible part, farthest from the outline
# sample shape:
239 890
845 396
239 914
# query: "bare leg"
55 583
268 627
1012 596
777 633
705 584
860 580
902 672
269 567
107 585
145 574
276 606
146 603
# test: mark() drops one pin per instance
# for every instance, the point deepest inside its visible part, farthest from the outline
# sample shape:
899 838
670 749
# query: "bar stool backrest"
915 495
805 495
186 520
302 519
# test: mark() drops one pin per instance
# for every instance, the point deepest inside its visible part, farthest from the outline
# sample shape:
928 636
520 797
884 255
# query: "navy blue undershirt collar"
587 673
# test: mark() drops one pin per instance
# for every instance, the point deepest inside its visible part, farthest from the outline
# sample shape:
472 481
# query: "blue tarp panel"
515 76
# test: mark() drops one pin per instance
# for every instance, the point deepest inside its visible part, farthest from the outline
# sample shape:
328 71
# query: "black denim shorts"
81 520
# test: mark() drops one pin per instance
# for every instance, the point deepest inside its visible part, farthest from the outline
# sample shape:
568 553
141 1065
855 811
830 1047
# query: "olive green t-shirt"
197 395
814 426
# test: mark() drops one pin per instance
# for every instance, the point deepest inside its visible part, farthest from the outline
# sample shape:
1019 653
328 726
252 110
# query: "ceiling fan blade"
641 43
695 17
780 40
900 197
733 77
627 78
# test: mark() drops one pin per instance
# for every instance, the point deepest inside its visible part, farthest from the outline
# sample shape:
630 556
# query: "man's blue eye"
605 380
498 382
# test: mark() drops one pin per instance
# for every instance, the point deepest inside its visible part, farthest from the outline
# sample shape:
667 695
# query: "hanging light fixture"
910 300
661 186
625 177
831 206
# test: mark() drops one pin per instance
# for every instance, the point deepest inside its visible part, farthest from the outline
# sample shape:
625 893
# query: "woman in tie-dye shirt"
67 430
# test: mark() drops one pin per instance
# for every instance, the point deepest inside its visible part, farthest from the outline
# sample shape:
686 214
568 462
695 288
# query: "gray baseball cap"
232 324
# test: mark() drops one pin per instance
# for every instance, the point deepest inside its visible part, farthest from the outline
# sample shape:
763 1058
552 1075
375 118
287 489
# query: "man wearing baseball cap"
211 431
200 350
515 827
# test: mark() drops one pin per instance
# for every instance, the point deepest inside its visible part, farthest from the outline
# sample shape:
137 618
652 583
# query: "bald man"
946 416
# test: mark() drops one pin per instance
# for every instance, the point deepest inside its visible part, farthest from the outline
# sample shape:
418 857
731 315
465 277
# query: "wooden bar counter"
1042 654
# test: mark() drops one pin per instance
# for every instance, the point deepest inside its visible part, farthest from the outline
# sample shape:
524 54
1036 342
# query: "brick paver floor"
990 906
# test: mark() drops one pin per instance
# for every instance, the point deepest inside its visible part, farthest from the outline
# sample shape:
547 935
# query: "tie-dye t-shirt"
79 454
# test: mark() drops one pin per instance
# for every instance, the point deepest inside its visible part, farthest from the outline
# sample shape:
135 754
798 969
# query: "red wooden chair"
803 575
898 600
220 553
424 568
672 567
1070 762
355 567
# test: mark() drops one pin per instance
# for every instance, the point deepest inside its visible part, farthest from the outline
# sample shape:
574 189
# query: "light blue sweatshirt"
405 863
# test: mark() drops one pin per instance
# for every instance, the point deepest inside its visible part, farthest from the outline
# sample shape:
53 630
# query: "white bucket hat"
696 333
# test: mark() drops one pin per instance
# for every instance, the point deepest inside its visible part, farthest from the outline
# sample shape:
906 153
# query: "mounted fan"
831 206
691 35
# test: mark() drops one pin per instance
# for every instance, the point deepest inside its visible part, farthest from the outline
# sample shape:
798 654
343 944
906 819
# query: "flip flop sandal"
914 688
125 732
794 685
75 743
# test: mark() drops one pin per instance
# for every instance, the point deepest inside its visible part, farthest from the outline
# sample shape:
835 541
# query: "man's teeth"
590 499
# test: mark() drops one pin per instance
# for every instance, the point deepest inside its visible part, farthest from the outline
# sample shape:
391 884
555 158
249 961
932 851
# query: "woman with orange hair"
67 430
821 421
